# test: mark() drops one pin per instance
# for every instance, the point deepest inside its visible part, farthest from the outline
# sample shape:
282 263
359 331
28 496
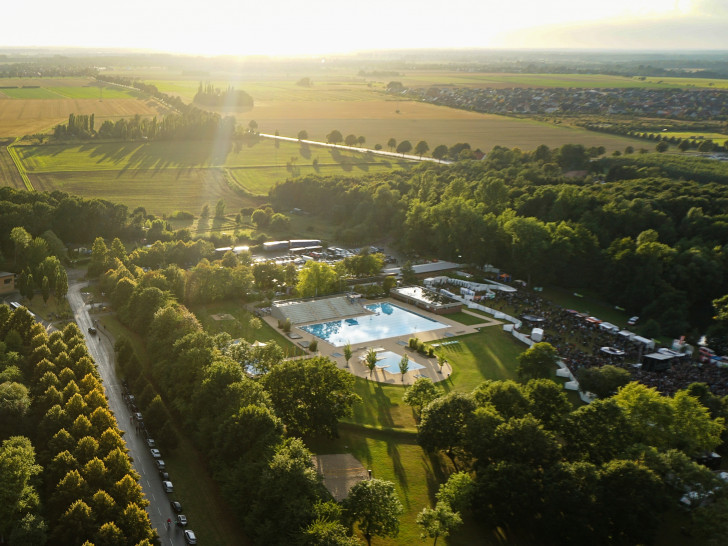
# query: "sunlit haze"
292 27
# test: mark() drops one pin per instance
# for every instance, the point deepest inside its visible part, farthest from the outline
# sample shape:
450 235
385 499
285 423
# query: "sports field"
32 105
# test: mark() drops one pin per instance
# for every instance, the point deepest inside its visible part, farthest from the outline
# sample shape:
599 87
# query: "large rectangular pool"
387 321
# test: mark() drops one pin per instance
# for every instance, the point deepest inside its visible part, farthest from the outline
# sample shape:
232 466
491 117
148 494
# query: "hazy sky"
320 26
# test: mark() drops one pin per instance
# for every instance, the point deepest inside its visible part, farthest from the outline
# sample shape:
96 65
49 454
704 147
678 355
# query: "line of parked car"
167 485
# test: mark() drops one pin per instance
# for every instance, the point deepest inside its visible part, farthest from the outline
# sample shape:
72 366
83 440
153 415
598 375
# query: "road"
101 348
393 155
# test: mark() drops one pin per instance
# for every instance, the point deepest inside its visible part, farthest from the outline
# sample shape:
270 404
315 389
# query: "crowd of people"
579 343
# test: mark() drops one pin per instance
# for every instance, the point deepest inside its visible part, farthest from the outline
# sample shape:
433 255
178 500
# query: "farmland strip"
19 166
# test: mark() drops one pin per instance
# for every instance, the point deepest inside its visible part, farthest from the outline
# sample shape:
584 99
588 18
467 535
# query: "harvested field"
22 117
159 191
378 121
9 175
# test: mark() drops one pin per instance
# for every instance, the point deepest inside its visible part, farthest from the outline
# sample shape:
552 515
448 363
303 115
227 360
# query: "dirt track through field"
9 175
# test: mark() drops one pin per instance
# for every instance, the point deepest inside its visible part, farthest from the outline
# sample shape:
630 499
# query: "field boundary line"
18 165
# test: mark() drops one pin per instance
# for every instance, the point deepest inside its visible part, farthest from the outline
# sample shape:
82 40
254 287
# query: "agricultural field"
282 90
356 106
166 176
27 110
9 175
158 191
423 78
717 138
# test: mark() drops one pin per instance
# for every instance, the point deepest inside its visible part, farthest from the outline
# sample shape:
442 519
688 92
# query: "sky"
313 27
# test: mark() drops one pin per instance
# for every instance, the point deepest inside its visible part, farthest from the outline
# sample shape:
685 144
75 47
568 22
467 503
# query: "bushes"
421 347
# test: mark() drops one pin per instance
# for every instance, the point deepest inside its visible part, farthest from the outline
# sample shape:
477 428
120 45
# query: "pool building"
429 300
383 326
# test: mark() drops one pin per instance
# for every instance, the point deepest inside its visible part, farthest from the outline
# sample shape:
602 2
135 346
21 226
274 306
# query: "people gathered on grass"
579 344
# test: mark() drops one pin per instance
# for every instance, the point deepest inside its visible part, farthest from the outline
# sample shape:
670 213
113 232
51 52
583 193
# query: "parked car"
167 486
138 416
151 442
190 537
181 520
176 506
632 321
160 464
156 453
164 475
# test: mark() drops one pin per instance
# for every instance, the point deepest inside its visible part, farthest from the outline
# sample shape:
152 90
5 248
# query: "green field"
280 90
94 92
165 176
29 93
158 191
717 138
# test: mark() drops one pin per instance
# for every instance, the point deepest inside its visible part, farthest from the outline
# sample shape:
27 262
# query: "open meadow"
33 105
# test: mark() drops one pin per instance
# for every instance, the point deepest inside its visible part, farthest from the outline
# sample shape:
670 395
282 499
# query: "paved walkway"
445 340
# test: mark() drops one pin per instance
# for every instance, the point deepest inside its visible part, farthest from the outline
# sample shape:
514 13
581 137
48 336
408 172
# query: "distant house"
7 283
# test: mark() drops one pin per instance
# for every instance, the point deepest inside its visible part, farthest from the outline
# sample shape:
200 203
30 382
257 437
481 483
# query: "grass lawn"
44 309
586 303
466 318
240 326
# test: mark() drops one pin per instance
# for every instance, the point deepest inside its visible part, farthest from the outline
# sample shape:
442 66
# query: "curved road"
102 350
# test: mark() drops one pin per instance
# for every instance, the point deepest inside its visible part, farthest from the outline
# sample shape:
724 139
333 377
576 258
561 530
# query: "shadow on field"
161 154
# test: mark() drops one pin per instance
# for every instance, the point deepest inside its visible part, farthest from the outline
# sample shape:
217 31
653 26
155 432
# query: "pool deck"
446 338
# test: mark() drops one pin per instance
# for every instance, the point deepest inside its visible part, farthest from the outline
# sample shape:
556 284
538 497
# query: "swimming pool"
390 362
388 320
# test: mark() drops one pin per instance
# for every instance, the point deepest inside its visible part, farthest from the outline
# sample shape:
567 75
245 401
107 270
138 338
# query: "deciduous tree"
374 507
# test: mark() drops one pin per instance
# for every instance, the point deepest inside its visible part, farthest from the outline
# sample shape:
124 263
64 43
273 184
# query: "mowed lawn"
382 433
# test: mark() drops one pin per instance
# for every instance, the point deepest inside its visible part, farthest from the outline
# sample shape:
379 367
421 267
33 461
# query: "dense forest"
645 235
65 475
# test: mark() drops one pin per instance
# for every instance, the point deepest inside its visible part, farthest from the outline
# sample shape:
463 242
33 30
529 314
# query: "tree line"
209 95
66 475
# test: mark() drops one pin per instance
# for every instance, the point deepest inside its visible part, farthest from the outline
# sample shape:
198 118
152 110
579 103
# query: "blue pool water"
387 321
390 362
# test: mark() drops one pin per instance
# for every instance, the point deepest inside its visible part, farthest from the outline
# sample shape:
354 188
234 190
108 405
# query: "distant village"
684 104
